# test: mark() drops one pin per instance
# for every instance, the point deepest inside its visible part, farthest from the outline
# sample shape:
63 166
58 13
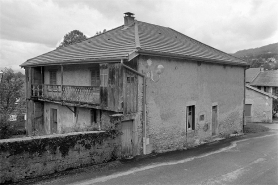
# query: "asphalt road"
251 159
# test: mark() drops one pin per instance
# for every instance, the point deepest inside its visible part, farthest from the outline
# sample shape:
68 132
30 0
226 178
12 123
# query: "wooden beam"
62 79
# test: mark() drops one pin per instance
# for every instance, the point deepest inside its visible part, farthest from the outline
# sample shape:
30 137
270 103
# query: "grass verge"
254 128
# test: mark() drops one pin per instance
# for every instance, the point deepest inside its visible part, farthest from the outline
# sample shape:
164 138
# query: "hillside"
265 56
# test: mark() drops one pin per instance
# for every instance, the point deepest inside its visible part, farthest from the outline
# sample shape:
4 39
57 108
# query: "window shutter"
95 77
53 77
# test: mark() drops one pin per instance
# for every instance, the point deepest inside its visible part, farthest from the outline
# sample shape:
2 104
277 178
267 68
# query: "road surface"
251 159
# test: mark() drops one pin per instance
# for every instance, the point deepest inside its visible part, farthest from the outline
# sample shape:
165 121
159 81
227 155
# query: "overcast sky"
29 28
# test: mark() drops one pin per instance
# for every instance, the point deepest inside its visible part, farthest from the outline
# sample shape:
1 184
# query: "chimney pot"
128 18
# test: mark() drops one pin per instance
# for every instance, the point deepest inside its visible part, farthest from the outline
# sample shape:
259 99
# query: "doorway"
53 121
214 120
127 138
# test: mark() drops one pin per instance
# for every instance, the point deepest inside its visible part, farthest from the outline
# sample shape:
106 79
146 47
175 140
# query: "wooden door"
38 118
130 104
53 120
214 119
127 144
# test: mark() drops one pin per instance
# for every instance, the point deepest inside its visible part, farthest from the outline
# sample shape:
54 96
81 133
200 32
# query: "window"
275 90
52 77
104 77
130 79
95 77
265 89
190 117
259 87
247 109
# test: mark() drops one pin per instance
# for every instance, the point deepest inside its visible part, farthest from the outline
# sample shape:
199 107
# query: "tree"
72 37
99 32
11 98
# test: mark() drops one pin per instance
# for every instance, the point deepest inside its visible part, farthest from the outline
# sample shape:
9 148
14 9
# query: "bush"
5 130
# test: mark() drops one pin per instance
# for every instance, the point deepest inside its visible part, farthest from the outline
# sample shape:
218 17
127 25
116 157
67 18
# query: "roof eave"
199 59
72 62
262 92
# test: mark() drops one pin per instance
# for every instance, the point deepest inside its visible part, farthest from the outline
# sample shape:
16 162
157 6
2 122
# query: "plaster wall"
261 109
183 83
68 122
79 75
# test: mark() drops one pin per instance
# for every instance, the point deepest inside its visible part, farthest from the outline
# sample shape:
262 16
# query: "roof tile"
119 42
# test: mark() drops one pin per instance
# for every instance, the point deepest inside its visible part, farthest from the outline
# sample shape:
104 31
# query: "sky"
29 28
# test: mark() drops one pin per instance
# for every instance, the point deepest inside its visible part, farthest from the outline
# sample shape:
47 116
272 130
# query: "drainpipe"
144 107
244 93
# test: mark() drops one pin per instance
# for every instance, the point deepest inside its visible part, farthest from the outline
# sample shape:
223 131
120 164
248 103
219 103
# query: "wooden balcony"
67 93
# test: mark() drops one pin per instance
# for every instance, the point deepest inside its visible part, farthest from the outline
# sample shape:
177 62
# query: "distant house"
171 90
258 105
267 81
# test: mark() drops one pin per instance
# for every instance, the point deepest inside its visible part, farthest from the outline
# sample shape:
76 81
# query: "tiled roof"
266 78
140 37
262 92
251 74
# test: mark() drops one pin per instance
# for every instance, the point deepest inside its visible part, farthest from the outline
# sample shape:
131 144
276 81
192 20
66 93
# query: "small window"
130 79
202 117
247 109
95 77
190 118
265 89
104 77
53 77
259 87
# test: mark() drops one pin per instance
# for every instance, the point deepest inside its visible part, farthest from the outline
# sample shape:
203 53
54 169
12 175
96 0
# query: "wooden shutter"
53 77
95 77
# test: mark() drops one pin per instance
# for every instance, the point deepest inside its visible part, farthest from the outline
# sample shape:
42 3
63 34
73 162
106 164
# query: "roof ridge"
206 44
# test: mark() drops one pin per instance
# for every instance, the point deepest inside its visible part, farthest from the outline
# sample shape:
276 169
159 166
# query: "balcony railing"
68 93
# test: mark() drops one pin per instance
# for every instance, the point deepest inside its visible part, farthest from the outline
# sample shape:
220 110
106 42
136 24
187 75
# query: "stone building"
266 81
170 90
258 105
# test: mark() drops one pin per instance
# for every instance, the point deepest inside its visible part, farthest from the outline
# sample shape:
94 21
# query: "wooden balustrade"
77 94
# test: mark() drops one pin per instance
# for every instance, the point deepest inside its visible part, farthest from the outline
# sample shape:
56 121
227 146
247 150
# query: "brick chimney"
128 18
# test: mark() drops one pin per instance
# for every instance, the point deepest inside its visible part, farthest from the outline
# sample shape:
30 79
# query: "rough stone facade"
261 106
42 155
183 83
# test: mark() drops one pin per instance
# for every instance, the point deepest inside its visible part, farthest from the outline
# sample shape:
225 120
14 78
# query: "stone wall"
184 83
22 158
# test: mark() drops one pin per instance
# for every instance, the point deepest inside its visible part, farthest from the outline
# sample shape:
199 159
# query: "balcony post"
62 74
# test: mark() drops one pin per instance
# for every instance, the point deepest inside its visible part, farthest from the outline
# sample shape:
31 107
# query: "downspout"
144 107
244 93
